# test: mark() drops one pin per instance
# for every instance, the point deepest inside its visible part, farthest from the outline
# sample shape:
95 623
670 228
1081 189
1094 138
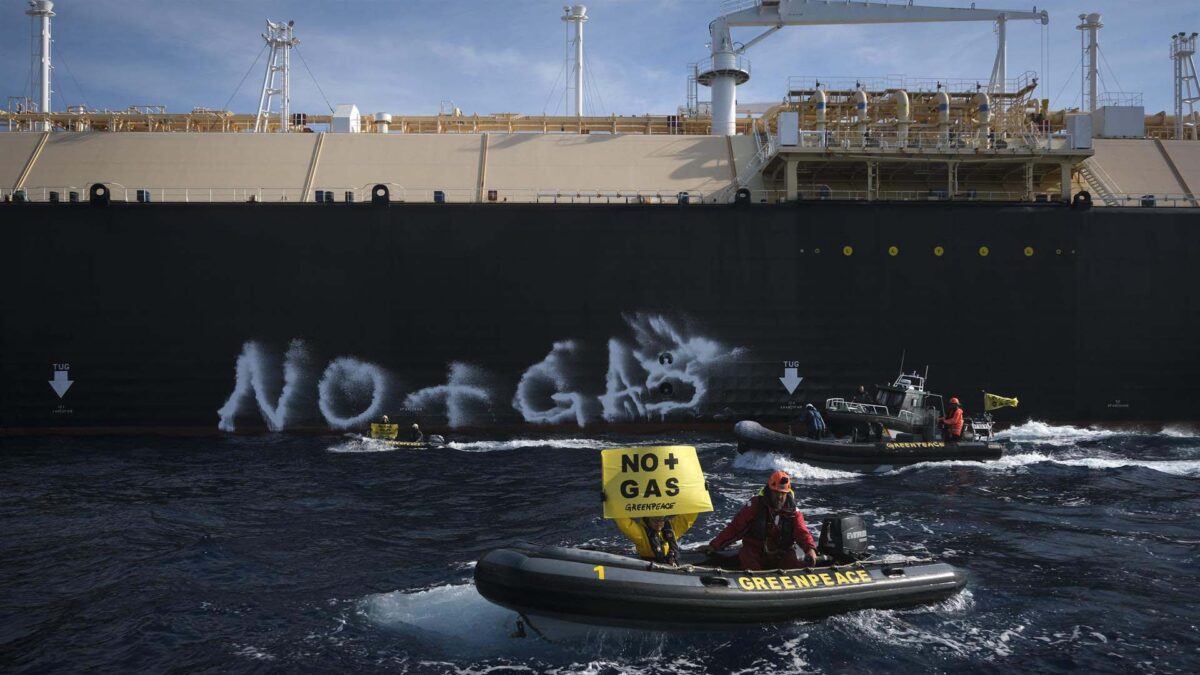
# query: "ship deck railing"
808 192
343 195
820 192
954 141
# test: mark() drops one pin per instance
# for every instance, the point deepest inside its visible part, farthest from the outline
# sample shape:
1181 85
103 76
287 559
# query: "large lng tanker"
214 271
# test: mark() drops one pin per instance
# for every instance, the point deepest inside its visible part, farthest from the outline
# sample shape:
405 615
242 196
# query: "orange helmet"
954 400
779 482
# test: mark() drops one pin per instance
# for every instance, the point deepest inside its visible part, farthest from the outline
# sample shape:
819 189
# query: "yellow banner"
653 481
384 431
992 401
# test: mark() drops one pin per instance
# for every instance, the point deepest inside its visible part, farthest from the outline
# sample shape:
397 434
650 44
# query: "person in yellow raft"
657 537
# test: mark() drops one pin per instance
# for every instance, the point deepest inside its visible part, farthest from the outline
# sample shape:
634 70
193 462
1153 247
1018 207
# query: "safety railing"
842 405
363 193
1120 98
1153 200
916 85
731 6
965 141
398 193
817 192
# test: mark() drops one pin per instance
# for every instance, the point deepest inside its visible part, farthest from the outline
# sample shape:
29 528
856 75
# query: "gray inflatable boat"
594 587
861 456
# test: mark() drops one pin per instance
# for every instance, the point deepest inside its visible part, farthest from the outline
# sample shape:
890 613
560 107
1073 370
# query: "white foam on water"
1176 467
252 652
454 615
798 471
954 635
1040 432
1180 431
562 443
356 443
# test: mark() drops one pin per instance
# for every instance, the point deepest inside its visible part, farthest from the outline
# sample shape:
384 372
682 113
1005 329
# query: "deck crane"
730 68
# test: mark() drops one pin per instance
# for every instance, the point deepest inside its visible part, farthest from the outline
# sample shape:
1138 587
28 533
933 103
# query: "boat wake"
453 617
572 444
356 444
457 622
523 443
1034 431
944 628
799 471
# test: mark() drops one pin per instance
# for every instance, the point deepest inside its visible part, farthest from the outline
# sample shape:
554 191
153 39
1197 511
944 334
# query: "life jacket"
954 421
785 519
662 540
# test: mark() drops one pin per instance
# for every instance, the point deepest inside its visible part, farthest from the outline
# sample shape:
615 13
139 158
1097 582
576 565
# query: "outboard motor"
843 539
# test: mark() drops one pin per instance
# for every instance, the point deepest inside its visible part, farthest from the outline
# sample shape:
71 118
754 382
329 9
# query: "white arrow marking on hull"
60 384
790 380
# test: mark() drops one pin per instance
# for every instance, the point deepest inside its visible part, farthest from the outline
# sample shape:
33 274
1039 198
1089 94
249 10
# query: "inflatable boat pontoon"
861 456
601 588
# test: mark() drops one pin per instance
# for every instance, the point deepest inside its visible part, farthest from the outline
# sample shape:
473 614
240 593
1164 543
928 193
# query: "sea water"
282 553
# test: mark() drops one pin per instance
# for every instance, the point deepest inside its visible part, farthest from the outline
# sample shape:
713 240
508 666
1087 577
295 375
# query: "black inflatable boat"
594 587
861 456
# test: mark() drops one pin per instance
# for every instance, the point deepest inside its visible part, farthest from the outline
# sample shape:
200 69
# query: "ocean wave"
1034 431
570 444
521 443
770 461
1180 431
355 443
1174 467
954 633
453 616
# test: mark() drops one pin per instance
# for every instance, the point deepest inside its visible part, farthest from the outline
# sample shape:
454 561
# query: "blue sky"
406 56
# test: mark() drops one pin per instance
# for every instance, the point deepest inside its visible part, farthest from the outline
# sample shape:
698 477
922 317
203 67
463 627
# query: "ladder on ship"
1100 182
768 147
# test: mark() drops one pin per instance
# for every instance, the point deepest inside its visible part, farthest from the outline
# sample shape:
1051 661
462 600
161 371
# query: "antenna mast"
1090 25
576 14
43 9
1187 88
281 38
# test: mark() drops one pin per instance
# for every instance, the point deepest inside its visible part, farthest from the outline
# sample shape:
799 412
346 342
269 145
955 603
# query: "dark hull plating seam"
553 316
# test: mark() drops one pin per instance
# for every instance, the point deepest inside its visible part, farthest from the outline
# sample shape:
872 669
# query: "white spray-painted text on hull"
663 371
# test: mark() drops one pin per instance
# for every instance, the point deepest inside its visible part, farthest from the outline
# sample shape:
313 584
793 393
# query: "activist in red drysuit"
768 526
952 426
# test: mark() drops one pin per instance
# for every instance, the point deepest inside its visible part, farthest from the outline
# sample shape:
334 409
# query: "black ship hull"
185 317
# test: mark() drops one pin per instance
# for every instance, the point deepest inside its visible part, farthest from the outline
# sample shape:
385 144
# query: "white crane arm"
834 12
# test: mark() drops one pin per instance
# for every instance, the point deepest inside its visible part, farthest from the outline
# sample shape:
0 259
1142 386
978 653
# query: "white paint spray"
664 371
691 357
624 385
549 382
257 379
465 396
663 356
348 380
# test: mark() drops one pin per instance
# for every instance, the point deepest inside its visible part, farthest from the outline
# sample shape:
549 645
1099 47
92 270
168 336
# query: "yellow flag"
653 481
992 401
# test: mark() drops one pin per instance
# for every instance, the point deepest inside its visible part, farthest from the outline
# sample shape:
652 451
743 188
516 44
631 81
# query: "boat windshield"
934 401
890 398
